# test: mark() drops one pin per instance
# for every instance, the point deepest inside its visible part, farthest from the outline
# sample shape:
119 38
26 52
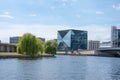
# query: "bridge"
108 51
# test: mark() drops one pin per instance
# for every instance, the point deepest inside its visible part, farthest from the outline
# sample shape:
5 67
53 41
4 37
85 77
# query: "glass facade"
70 40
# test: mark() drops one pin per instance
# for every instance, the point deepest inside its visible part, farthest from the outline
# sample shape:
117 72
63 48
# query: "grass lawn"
16 55
8 53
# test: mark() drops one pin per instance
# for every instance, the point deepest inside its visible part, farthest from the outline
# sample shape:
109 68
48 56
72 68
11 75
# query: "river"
61 68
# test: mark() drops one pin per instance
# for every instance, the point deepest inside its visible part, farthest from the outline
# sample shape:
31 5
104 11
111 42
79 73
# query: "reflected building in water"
71 40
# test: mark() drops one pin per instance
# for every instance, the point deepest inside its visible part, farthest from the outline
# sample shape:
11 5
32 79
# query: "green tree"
29 45
50 47
39 45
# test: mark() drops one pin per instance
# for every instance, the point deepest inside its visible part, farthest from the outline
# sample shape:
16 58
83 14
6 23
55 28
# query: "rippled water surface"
61 68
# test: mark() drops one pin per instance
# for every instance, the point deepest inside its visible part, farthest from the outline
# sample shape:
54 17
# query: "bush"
50 47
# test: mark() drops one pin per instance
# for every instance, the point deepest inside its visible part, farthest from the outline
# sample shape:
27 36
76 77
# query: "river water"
61 68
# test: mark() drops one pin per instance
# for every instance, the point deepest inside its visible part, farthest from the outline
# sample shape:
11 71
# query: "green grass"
16 54
9 53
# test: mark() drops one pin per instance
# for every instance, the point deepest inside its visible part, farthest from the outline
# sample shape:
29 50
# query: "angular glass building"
70 40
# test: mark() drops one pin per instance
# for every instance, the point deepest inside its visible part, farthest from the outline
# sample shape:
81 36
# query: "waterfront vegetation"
32 46
50 47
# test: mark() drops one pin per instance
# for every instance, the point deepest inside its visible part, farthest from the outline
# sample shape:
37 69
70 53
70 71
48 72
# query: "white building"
93 45
105 44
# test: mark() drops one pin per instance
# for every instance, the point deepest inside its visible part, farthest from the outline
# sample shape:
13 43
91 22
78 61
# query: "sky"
44 18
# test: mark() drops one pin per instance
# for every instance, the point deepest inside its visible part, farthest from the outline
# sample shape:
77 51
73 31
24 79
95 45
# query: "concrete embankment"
14 55
89 53
79 53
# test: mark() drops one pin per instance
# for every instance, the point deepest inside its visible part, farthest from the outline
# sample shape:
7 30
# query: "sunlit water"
61 68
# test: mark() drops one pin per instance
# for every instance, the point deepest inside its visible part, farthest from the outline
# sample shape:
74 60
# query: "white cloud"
95 32
99 12
33 15
117 7
6 15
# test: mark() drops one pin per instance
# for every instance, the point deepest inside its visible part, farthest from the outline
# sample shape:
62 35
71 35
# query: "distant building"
7 47
115 36
93 45
52 40
15 40
55 39
42 39
70 40
105 44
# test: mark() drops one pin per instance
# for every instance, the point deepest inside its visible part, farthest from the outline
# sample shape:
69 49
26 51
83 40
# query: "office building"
115 36
93 45
42 39
14 40
71 40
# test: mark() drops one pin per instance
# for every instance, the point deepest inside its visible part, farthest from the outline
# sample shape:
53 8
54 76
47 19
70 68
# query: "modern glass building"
115 37
70 40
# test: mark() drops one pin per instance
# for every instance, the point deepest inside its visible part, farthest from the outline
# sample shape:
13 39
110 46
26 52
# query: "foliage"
29 45
50 47
39 45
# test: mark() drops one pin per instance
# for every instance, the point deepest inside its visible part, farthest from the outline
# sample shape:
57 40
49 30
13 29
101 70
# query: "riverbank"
80 53
89 53
15 55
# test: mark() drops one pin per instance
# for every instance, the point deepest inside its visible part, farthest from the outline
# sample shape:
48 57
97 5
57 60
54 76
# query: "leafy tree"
39 45
29 45
50 47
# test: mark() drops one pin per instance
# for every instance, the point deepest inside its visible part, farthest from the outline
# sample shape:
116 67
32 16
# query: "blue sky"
44 17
